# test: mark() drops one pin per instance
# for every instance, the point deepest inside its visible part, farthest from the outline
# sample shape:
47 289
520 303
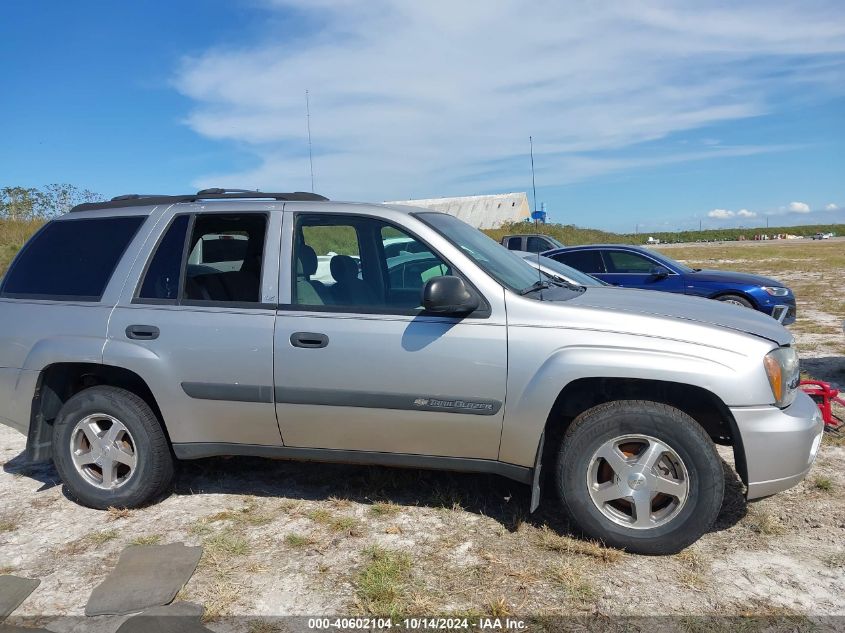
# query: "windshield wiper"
537 285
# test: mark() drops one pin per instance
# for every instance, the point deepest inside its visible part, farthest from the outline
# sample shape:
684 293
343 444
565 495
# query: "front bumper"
780 444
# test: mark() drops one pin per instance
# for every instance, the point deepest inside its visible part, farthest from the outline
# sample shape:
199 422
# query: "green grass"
149 539
297 540
13 235
384 509
572 235
382 584
226 544
820 482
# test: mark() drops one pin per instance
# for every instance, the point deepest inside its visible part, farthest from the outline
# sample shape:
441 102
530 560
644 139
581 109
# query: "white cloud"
799 207
412 99
745 213
831 207
721 214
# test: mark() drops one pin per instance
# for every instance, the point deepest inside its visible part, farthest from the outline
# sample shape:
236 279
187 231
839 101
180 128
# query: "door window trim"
483 311
183 271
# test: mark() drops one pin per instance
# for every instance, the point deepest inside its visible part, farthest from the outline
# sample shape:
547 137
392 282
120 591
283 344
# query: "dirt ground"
308 539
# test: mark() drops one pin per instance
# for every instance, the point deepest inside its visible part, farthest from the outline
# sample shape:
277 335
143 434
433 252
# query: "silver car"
149 329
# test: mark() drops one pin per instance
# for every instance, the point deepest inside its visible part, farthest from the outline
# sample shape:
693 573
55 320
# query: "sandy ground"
287 538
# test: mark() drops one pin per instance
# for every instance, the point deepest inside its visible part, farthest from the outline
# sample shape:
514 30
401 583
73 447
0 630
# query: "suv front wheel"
110 449
641 476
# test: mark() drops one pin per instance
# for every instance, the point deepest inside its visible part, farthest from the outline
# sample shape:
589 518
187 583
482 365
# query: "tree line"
31 203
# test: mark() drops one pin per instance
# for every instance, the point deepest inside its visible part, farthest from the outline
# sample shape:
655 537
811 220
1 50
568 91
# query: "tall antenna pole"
308 124
533 185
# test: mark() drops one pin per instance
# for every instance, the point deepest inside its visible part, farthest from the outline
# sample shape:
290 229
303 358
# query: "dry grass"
298 540
835 561
147 539
500 608
384 509
262 626
552 541
115 514
88 542
249 515
8 525
343 524
572 577
763 523
694 567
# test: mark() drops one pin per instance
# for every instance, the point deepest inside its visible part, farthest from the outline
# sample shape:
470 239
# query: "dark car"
634 267
530 243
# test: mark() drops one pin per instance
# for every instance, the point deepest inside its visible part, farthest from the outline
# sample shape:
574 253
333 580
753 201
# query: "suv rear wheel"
110 449
641 476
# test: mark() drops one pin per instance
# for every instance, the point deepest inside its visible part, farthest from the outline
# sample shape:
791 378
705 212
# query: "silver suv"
154 328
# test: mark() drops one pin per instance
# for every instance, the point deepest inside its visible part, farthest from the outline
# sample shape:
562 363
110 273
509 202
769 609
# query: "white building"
482 212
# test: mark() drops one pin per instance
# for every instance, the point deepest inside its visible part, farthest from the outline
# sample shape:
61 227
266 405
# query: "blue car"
634 267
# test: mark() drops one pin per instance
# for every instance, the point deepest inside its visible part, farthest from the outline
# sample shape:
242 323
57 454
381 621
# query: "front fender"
732 376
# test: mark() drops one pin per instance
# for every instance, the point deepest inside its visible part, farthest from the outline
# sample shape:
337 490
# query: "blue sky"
643 113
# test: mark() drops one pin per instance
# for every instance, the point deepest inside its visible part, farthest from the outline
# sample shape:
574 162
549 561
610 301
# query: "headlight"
776 291
782 370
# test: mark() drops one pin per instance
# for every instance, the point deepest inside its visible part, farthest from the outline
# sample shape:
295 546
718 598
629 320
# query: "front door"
198 327
633 270
359 366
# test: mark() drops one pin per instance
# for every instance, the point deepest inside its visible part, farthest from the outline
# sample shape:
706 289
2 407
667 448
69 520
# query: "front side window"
71 259
352 261
628 262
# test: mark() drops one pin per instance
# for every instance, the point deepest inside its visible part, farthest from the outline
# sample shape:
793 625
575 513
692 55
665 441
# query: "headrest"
306 261
344 268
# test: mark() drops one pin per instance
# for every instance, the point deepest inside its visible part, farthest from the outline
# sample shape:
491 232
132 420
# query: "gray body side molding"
199 450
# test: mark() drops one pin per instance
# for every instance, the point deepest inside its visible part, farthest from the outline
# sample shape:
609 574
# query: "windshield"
508 269
567 272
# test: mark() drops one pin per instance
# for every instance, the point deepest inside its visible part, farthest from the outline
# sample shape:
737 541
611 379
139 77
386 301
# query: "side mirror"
660 272
448 295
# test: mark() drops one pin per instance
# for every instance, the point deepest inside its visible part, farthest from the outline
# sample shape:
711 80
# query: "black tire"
737 299
153 472
606 422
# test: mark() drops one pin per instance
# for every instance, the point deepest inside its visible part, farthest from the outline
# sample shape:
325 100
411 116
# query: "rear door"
635 270
196 323
360 367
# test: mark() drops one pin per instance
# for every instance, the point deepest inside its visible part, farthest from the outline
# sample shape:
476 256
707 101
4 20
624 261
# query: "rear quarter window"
70 259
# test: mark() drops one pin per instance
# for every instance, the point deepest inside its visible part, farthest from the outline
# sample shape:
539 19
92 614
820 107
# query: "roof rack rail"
216 193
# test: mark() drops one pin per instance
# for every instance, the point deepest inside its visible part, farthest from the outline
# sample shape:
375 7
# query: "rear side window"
70 259
585 261
164 272
515 243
